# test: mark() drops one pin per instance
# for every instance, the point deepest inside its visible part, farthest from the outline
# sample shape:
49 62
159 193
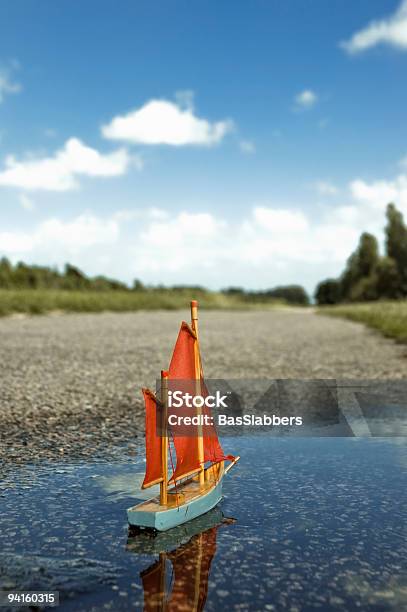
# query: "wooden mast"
198 390
164 438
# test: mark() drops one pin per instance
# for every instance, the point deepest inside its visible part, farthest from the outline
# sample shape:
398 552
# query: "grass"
390 318
40 301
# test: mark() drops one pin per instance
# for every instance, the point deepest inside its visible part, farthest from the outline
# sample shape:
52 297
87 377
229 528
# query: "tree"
6 272
365 289
368 254
328 292
388 279
292 294
360 265
396 244
138 285
233 291
75 278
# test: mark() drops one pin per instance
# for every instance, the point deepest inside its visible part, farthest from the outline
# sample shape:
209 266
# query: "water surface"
305 524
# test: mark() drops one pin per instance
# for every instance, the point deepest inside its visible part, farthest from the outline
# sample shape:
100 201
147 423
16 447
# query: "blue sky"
216 143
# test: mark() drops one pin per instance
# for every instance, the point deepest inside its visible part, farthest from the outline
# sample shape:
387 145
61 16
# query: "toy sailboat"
195 486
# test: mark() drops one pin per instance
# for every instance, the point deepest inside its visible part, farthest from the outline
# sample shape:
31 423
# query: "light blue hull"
146 542
161 520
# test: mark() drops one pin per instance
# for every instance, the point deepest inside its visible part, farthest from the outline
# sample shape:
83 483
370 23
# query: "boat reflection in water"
178 580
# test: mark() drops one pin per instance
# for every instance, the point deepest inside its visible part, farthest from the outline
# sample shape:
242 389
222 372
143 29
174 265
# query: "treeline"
24 276
292 294
369 276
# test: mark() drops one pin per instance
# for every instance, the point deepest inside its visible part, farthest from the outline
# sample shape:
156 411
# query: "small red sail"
154 467
213 451
182 367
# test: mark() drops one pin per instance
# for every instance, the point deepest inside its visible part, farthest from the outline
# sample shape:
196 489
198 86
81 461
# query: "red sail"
154 467
212 449
182 367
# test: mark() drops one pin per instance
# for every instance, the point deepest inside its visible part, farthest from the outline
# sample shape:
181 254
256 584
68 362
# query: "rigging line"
173 470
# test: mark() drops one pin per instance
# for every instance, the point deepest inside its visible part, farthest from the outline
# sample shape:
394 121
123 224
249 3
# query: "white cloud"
60 172
7 85
185 228
247 146
180 242
158 213
391 31
26 202
160 122
325 188
270 244
83 232
267 242
280 221
127 214
54 236
15 242
379 193
306 99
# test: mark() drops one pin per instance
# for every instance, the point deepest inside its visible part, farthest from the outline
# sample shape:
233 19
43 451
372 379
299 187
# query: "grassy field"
38 301
390 318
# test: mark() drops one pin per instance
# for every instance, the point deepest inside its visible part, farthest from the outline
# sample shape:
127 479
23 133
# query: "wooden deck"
185 492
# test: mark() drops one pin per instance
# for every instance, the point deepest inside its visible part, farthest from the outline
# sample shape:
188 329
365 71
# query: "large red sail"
182 367
154 467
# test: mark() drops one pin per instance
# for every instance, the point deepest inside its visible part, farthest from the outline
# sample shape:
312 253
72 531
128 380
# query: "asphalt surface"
70 384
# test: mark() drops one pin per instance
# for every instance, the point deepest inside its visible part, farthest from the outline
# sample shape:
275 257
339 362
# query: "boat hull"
164 518
149 542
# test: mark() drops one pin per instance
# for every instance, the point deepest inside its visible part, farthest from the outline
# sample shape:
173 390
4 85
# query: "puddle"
305 524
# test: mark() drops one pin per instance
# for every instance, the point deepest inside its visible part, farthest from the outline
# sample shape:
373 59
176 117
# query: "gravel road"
70 384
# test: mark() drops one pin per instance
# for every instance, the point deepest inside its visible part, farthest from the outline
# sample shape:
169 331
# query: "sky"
215 143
